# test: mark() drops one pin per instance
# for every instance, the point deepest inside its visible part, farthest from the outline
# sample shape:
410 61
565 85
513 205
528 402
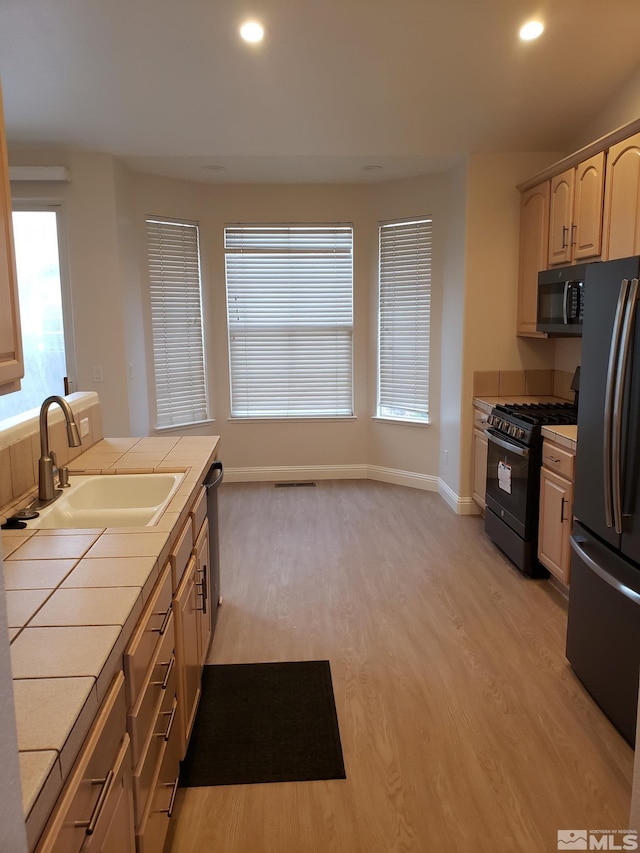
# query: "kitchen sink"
110 500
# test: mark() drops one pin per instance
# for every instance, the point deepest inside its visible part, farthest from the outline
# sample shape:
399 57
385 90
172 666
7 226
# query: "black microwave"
561 300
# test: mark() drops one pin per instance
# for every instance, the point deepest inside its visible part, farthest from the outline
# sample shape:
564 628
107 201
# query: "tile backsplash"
20 445
520 383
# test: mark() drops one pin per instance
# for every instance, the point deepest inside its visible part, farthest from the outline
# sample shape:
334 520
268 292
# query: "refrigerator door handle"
612 375
577 546
621 381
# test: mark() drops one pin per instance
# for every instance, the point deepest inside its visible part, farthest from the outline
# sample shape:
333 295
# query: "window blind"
290 316
176 322
404 319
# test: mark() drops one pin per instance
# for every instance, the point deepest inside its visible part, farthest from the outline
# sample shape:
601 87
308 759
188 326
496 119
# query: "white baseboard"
426 482
287 473
295 473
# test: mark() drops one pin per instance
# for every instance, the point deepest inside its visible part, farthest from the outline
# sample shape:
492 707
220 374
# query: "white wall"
89 203
489 301
621 108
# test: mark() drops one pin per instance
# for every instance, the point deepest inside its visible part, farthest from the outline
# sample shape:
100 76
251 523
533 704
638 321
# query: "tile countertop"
73 599
567 436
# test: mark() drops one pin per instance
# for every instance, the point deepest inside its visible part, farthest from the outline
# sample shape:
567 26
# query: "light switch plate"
84 427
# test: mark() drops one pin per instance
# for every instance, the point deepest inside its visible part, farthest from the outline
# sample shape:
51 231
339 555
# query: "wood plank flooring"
462 725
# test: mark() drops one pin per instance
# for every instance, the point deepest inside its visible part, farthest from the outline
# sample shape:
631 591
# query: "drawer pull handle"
203 587
172 715
172 801
553 459
107 783
169 664
165 621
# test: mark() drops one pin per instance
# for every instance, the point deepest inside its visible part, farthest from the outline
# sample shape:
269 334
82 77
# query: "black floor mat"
264 722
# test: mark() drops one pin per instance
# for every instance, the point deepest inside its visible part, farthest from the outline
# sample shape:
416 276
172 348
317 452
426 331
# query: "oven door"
512 470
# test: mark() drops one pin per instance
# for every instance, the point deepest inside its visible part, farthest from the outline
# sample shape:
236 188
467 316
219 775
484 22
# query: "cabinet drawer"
180 553
160 675
480 419
147 636
557 459
144 779
155 823
88 796
198 512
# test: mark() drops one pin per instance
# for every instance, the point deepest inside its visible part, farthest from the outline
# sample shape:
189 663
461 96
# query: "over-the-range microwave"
561 300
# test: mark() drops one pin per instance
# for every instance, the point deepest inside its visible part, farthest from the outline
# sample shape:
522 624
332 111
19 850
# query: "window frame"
239 412
153 384
380 414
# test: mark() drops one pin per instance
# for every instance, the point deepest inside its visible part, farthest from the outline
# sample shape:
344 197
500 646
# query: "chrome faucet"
46 487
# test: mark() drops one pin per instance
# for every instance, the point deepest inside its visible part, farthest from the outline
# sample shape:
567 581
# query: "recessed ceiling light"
372 167
531 30
252 31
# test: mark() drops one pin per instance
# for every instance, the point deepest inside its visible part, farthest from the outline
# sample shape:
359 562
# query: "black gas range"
514 458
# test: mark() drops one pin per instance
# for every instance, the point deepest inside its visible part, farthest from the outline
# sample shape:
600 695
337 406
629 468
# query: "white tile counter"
567 436
74 597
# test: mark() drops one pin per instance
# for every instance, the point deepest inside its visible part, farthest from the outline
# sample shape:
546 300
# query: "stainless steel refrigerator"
603 633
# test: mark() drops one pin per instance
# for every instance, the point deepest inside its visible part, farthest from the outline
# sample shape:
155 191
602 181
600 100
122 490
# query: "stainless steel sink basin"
110 500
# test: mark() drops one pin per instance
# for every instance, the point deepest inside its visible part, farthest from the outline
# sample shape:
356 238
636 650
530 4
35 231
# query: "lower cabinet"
120 794
207 594
479 457
95 809
187 650
556 505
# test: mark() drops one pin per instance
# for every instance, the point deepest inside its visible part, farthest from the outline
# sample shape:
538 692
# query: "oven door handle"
507 445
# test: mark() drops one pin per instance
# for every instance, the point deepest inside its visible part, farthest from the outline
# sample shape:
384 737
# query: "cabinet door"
480 452
586 229
11 364
556 500
96 803
561 217
204 593
187 651
534 236
622 200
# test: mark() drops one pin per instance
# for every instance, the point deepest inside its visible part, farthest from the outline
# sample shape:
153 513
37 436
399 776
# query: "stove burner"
540 414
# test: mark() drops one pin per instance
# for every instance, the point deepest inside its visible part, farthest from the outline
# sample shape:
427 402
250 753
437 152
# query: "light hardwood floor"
462 725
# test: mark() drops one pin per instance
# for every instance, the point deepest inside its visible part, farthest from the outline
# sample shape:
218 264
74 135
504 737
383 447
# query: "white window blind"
176 320
404 319
290 315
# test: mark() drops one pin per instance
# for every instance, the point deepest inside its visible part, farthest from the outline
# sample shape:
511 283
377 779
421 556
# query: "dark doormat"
264 722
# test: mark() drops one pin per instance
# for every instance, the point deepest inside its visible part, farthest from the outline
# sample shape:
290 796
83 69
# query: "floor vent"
290 485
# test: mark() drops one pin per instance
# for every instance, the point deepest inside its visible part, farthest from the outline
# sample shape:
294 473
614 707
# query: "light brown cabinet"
204 593
11 361
556 502
622 200
95 809
479 457
187 651
534 237
575 213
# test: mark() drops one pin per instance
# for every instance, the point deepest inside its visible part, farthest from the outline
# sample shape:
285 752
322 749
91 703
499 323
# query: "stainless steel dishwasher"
211 482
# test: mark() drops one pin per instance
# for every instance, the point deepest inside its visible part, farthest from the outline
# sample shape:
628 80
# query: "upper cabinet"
534 236
11 363
622 200
575 216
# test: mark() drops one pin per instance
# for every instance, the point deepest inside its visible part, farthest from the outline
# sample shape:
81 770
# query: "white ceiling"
336 85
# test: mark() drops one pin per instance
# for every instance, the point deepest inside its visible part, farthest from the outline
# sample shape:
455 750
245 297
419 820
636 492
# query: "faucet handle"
52 455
